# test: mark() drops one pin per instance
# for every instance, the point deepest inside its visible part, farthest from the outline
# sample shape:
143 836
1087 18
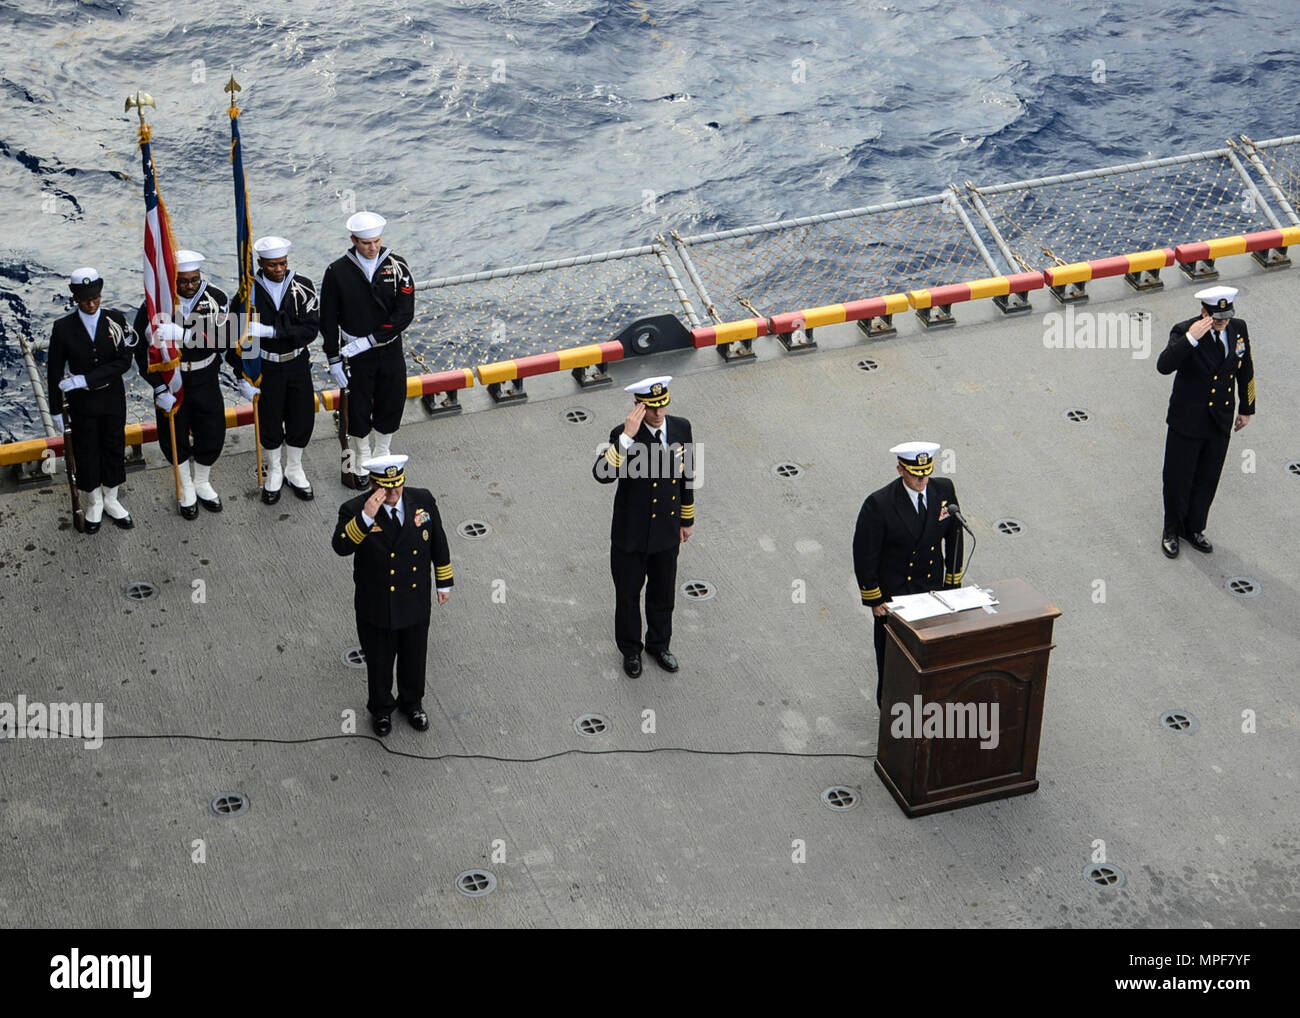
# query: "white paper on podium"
914 607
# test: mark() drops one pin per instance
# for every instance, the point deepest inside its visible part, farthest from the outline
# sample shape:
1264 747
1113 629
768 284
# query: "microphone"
954 510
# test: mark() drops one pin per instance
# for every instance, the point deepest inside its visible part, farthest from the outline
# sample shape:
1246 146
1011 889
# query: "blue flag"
244 300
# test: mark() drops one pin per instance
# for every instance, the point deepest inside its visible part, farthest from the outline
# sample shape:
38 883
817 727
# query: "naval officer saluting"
89 352
367 298
395 535
201 419
1207 355
896 541
651 455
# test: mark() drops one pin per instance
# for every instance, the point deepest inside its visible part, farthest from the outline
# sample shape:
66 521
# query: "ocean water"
493 134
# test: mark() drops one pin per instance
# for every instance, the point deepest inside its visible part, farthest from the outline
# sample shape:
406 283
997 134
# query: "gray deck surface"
341 833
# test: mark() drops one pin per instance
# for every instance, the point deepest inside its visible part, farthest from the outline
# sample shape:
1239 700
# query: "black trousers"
99 438
1191 477
286 410
881 638
657 572
408 648
377 390
200 421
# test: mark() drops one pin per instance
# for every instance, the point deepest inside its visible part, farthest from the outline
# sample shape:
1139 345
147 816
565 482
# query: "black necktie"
655 432
920 506
392 516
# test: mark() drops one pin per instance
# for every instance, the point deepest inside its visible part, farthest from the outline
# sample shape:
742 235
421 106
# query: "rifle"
345 475
70 468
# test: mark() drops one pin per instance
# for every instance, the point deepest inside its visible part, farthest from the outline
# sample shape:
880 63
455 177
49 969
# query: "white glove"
169 332
339 375
164 401
58 423
359 345
248 390
73 382
259 331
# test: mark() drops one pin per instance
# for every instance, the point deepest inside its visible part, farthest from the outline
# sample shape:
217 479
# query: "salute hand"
633 423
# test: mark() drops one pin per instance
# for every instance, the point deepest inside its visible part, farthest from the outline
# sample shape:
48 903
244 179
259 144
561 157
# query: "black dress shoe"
382 724
270 497
125 523
1169 545
419 719
190 512
632 665
665 660
359 482
306 494
91 528
1199 542
212 505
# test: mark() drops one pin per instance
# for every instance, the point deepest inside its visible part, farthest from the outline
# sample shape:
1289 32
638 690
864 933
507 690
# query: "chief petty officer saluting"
90 350
1206 355
367 299
652 458
395 534
896 541
201 419
288 318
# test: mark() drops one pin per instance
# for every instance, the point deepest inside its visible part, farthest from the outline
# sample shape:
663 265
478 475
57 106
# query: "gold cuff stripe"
688 512
615 458
443 572
354 532
870 595
1250 392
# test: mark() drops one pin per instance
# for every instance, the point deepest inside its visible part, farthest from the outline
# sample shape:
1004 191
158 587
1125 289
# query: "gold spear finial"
138 102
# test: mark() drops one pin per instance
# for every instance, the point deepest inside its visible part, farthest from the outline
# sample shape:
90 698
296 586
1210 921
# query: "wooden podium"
983 657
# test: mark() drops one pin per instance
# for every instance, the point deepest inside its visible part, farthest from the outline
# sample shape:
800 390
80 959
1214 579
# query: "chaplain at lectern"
906 542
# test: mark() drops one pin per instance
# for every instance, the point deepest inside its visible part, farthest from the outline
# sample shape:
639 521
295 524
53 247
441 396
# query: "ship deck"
343 831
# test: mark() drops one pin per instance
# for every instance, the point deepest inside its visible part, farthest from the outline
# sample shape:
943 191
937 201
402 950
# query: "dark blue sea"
493 134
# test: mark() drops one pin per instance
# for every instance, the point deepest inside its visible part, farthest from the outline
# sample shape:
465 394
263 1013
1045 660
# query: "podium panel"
962 703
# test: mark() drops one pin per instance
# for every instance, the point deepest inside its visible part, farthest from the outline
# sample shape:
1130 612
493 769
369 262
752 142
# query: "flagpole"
249 302
138 102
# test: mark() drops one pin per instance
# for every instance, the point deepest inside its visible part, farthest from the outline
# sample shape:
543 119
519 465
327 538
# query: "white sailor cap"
652 392
387 471
85 282
917 458
1218 300
188 261
366 225
271 247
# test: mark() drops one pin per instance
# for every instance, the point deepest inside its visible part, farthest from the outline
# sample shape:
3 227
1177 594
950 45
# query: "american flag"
159 276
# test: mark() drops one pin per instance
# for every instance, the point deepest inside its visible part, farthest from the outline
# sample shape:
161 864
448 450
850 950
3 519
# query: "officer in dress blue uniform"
367 298
89 352
201 419
395 536
651 455
1207 356
286 323
906 542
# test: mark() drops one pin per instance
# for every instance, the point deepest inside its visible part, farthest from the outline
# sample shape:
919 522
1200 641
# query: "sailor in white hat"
201 416
367 299
282 325
651 455
906 541
89 351
401 556
1208 356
